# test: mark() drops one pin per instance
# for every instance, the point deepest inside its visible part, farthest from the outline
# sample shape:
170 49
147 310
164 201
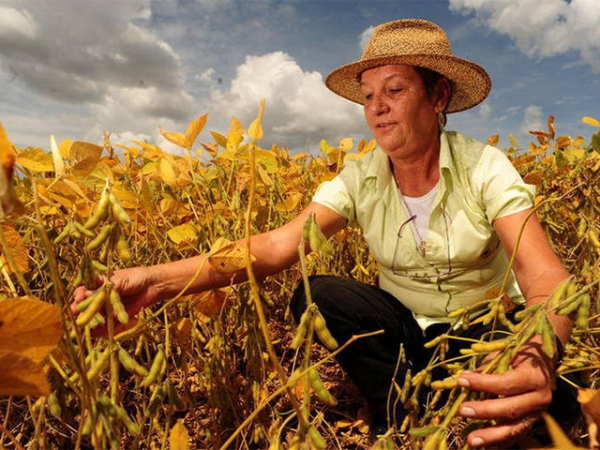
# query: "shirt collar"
379 171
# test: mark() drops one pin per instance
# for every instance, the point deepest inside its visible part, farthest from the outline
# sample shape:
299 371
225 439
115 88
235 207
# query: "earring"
441 118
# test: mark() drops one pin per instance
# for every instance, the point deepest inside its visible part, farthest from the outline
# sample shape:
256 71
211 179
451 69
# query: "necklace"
421 245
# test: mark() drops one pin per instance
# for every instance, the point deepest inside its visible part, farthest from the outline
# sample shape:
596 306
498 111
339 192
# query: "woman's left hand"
522 394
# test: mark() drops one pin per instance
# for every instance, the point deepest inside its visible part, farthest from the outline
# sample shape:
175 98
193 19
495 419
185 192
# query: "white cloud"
300 110
485 111
542 28
533 119
79 52
365 36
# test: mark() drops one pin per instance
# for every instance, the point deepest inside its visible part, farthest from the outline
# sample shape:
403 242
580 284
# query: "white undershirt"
421 208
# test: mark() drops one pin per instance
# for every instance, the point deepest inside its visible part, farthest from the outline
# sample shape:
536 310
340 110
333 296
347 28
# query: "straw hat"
416 43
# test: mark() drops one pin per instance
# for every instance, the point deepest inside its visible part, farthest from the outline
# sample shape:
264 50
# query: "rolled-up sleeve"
335 195
502 187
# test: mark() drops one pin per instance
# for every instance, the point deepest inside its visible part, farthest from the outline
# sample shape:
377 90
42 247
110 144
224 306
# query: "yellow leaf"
227 257
16 246
182 330
85 151
268 159
29 327
591 121
590 405
290 203
559 438
176 138
59 165
183 234
195 128
325 147
346 144
36 160
255 130
20 375
493 140
235 136
513 140
65 148
9 203
209 304
7 154
179 437
219 139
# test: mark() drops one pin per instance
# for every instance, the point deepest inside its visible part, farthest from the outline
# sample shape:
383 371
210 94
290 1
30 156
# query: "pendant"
422 248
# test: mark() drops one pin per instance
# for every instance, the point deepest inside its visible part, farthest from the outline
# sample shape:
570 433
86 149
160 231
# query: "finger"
512 382
79 295
506 409
505 433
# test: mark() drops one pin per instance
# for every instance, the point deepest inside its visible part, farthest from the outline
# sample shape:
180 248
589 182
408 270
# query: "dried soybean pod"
488 347
559 293
156 368
118 211
316 439
158 394
101 211
123 248
457 313
99 365
323 333
83 230
94 306
319 387
571 306
98 266
66 232
132 426
174 397
316 238
131 364
86 429
53 405
117 306
95 243
301 330
548 342
583 312
446 383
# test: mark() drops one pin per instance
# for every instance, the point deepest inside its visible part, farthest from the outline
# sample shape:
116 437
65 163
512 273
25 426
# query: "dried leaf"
179 437
590 405
195 128
209 304
20 375
346 144
29 327
59 164
559 438
176 138
227 257
36 160
16 246
591 121
185 234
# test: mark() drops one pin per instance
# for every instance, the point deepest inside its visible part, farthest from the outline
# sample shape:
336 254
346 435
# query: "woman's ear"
442 93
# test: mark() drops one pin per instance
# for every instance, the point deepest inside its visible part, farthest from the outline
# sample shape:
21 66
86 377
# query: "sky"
78 68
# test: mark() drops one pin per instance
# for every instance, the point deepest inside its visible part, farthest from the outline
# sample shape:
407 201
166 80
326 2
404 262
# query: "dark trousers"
352 308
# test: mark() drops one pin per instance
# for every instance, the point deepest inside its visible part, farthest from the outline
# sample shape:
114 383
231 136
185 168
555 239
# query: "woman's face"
400 112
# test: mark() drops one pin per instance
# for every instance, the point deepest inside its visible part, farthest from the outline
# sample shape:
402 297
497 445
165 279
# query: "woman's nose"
379 105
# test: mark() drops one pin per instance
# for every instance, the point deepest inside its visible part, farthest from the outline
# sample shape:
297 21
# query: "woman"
440 213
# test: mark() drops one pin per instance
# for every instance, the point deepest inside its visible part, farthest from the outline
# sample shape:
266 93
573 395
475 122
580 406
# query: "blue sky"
77 68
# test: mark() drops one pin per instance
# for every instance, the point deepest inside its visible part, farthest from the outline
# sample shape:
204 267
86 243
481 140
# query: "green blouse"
463 260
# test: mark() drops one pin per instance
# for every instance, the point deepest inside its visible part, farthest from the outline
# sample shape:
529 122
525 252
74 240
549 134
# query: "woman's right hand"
135 286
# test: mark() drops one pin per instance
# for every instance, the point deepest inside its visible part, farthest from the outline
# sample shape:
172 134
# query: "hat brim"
471 84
